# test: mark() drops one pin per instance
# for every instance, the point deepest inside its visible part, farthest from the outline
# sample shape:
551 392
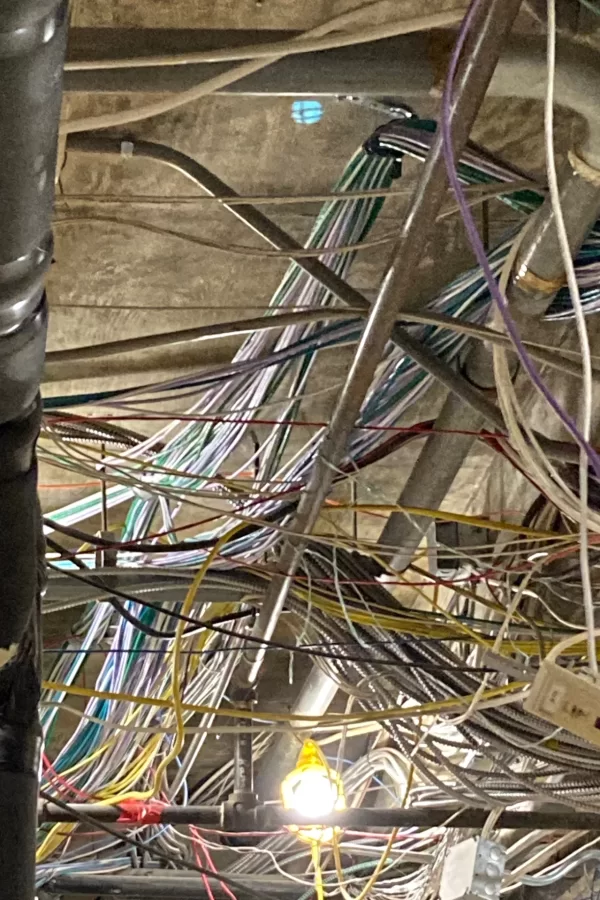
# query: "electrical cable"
409 671
500 300
587 593
276 48
549 357
145 846
113 592
218 82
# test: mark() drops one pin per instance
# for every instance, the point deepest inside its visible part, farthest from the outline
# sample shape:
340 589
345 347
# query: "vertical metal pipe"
314 699
32 50
243 763
538 274
492 25
244 795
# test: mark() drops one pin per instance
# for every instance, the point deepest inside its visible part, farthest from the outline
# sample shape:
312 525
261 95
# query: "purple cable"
479 250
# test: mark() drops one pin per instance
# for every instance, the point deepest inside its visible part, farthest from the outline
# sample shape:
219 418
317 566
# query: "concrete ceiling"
110 281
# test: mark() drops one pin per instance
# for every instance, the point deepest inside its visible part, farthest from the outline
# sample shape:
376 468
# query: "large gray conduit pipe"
32 49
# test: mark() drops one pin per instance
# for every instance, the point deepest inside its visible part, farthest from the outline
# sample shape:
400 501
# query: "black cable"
149 848
395 442
214 625
139 546
64 553
288 648
112 593
428 667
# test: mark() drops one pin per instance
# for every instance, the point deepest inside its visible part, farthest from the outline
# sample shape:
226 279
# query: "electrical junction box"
567 700
473 869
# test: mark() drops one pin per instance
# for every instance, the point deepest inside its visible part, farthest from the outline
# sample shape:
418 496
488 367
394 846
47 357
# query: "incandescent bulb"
314 794
314 791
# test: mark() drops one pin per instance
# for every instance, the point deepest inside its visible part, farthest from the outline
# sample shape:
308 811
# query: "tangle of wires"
438 722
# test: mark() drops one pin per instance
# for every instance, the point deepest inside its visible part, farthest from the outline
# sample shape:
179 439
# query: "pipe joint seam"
22 286
21 33
21 367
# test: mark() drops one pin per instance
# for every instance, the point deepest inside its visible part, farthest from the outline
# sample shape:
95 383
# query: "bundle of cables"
167 667
162 472
382 655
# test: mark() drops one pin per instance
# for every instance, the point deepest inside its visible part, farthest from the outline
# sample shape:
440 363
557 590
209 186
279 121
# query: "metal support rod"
243 765
538 273
276 237
269 818
170 815
489 30
200 333
314 700
244 794
158 885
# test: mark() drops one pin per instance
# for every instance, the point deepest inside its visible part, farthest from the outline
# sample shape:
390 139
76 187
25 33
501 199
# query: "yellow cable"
267 715
374 877
423 627
178 706
443 515
117 791
109 796
315 847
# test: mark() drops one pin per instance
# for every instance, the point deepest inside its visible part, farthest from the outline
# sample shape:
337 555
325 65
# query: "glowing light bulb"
314 791
315 794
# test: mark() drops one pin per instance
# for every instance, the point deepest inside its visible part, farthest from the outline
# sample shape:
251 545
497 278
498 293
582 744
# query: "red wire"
57 777
204 877
198 840
123 545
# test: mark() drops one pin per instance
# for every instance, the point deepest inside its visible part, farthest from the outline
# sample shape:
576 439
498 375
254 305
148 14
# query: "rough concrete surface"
111 282
114 281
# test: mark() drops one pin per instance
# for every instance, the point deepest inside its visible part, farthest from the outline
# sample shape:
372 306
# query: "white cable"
285 47
224 79
586 428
